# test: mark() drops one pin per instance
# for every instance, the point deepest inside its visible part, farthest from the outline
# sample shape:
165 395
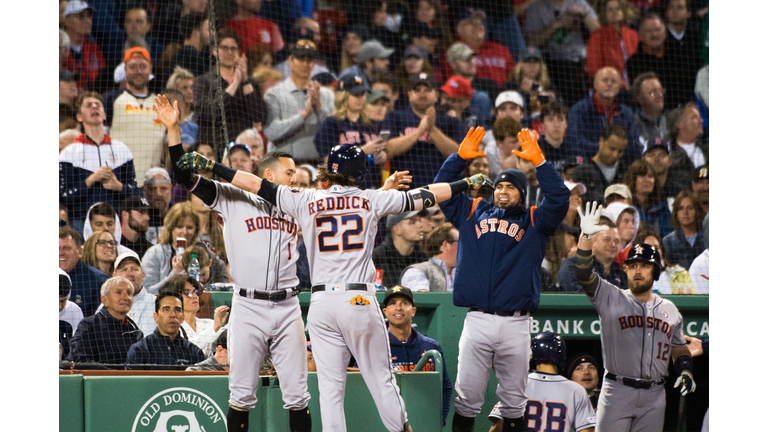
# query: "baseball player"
555 403
498 277
265 315
640 333
339 225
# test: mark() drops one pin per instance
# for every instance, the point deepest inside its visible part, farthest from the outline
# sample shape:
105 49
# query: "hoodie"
612 212
88 231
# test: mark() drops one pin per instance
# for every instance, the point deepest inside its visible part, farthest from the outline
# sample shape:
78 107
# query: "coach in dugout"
501 247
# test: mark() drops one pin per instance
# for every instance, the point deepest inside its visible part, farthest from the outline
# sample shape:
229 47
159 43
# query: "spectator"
193 56
311 365
86 280
400 248
455 95
684 43
350 125
219 358
532 196
424 36
102 216
102 341
157 190
267 78
296 35
413 63
67 91
531 79
243 105
503 140
388 85
253 139
429 18
64 46
372 62
605 250
129 266
650 118
686 242
260 56
421 137
203 260
406 344
252 29
700 185
165 349
100 252
687 148
239 157
606 167
181 80
461 58
94 168
85 57
702 94
137 25
574 202
479 165
658 156
200 331
627 222
583 370
376 18
353 40
557 147
493 60
560 246
69 312
297 107
304 177
590 116
133 120
614 42
617 192
674 279
646 195
556 27
376 106
211 234
436 273
161 262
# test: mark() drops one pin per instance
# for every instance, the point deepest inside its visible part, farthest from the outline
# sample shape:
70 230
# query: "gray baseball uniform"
637 341
555 403
261 246
339 226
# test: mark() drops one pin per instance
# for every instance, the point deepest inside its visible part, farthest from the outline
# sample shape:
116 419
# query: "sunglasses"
106 243
189 293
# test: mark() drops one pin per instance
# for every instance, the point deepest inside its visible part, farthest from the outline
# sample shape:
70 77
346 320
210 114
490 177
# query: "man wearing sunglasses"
297 107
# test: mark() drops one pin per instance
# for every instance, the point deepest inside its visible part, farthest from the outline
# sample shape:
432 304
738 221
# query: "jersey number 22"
352 225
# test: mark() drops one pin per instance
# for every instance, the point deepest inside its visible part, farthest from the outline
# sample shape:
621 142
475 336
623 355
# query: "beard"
136 226
640 288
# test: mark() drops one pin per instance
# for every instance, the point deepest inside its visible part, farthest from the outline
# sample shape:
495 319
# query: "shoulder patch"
294 189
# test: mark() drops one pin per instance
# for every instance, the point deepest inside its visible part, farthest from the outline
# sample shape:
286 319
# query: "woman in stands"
687 241
100 251
614 42
646 196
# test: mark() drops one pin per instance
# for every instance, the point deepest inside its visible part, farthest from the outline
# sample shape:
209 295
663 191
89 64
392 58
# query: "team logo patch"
335 167
359 300
180 409
664 314
591 419
295 189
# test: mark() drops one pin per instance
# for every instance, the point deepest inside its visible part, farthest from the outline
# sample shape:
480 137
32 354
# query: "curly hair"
175 217
342 180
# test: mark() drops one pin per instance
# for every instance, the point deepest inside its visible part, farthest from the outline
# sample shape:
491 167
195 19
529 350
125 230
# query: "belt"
270 295
347 287
501 313
635 382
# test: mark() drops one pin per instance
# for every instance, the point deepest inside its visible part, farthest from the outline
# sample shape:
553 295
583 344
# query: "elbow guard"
418 199
683 363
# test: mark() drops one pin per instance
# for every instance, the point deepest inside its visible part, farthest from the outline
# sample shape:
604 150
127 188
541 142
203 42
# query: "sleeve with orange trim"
553 209
459 208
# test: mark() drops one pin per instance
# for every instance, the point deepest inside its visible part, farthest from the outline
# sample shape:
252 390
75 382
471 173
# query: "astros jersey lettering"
637 338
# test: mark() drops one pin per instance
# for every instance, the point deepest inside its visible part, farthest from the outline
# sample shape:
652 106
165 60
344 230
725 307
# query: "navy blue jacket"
586 125
86 287
405 356
497 271
65 335
156 349
102 338
679 251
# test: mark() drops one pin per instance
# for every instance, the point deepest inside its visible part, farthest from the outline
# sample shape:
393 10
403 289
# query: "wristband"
224 172
458 187
683 363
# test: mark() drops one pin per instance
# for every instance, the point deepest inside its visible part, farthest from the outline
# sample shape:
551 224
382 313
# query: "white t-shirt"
143 312
71 314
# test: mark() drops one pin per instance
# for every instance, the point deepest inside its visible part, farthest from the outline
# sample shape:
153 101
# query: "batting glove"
590 221
686 383
478 180
195 160
468 147
530 145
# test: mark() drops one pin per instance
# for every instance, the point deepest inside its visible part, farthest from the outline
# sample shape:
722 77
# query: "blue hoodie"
405 355
501 250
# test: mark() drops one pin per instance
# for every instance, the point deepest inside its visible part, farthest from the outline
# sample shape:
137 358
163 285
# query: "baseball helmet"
548 347
647 253
348 160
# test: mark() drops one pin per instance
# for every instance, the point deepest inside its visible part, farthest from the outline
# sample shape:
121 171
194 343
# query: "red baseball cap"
457 87
136 52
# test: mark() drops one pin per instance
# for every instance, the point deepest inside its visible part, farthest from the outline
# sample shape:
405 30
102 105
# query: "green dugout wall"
112 403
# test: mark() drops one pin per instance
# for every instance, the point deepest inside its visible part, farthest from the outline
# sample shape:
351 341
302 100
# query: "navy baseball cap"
325 78
352 84
468 12
422 30
398 290
531 52
134 202
415 50
516 177
300 33
422 78
68 76
657 143
360 30
701 173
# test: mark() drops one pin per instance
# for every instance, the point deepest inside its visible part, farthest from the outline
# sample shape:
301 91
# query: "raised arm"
585 274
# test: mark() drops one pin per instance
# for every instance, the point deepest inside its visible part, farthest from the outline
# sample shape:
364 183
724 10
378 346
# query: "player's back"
557 403
339 226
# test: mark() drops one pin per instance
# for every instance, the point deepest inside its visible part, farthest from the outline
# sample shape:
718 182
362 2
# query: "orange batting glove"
530 144
468 147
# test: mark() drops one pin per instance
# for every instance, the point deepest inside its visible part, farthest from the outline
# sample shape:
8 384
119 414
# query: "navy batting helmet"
548 347
348 160
646 253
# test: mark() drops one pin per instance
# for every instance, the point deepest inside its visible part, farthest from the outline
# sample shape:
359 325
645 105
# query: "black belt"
635 382
270 295
348 287
500 313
